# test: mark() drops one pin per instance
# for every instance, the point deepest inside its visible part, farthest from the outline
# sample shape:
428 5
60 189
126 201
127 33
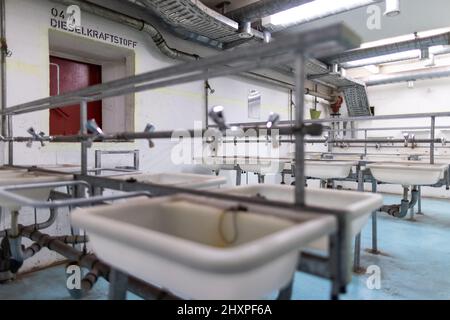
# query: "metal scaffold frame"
295 48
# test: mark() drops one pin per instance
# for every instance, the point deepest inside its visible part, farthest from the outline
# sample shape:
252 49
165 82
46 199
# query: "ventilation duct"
133 23
194 16
396 57
415 44
408 76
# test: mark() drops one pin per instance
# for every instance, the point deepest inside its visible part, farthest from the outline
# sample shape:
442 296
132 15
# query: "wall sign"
59 20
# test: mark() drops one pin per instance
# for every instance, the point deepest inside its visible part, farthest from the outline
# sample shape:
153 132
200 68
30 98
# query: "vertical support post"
330 138
260 178
83 130
206 104
365 143
419 202
118 283
299 138
6 121
357 253
136 160
238 175
433 133
98 161
374 223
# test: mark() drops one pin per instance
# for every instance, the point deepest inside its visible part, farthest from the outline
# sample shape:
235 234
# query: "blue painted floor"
414 264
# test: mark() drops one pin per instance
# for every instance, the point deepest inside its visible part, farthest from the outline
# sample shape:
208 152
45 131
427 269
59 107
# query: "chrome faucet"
150 128
216 114
274 118
93 127
35 137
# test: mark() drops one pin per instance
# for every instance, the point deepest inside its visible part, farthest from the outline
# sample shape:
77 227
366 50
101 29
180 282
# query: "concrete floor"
414 264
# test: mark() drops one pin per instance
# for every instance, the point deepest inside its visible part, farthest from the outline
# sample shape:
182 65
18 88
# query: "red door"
66 76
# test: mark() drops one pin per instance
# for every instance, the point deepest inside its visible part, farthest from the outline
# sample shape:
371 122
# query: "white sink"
21 177
408 173
264 166
190 246
186 180
357 207
216 163
328 169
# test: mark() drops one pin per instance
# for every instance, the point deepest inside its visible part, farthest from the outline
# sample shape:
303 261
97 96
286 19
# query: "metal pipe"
423 74
299 137
394 128
6 120
401 210
139 25
8 193
83 131
15 239
432 136
91 262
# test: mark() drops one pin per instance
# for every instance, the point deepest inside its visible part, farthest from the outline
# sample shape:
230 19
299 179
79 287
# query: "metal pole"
206 103
433 126
98 161
357 253
83 130
374 223
118 284
6 120
136 160
365 143
299 138
419 203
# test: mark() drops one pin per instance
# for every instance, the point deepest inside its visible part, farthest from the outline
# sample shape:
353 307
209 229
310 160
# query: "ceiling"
234 4
416 15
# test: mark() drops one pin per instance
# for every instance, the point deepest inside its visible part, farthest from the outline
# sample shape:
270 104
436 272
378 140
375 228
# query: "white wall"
28 24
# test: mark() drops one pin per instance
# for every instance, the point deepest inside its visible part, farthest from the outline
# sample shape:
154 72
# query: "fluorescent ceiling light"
373 69
314 10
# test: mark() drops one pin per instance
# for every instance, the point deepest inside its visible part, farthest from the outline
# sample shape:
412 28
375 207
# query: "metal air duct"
408 76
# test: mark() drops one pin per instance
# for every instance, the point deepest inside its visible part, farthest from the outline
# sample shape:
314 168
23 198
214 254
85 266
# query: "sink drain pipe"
96 267
401 210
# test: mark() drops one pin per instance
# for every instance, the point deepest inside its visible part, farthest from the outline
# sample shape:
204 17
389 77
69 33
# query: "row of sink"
193 245
401 172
